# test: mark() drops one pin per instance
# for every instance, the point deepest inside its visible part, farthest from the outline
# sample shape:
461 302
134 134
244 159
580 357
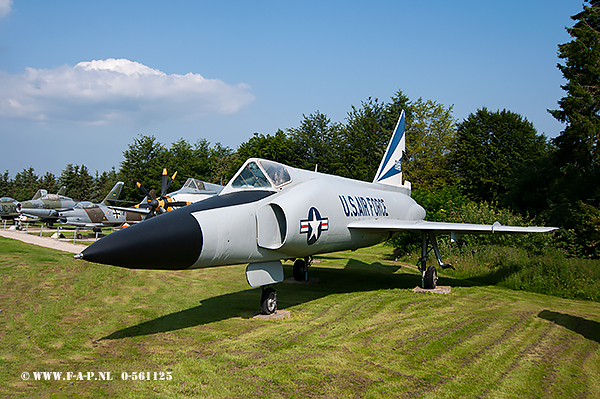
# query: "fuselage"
307 218
8 208
87 214
46 206
259 220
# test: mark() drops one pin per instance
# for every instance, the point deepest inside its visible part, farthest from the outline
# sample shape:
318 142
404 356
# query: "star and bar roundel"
313 226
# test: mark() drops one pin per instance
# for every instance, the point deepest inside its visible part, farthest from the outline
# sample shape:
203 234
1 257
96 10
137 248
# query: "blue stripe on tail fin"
390 169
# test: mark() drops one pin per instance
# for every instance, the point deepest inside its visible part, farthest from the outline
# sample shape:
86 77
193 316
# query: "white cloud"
102 91
5 7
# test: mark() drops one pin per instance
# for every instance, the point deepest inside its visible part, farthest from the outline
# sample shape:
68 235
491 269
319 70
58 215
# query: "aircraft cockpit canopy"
194 184
261 173
7 199
84 205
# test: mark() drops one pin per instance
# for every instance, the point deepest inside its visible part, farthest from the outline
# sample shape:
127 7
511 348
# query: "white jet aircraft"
269 212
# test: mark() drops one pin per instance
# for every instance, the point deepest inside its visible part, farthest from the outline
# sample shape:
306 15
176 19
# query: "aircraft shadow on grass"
587 328
355 277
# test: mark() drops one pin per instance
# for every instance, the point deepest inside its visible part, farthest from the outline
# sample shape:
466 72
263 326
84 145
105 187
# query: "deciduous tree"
492 150
315 143
221 160
275 147
430 136
143 162
365 137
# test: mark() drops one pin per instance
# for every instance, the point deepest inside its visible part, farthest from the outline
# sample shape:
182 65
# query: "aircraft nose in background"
172 241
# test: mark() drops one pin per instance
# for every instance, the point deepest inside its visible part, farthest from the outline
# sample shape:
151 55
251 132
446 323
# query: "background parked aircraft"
95 216
44 207
195 190
192 191
8 208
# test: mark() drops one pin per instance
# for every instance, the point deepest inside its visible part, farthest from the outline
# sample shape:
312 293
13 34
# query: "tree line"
492 157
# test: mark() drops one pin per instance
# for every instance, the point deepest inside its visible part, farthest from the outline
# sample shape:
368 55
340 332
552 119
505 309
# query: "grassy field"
356 330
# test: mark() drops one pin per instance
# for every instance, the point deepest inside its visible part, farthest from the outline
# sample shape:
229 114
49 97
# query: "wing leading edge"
442 227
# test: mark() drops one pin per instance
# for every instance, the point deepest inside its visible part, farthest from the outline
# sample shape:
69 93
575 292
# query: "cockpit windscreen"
277 173
253 176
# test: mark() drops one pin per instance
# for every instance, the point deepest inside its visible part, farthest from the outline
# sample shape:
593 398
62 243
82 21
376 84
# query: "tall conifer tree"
578 144
577 195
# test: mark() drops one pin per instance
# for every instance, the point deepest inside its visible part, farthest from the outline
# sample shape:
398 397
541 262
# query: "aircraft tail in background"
390 169
113 195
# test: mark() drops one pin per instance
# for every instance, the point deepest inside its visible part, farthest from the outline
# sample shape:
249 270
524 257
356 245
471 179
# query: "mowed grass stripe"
359 331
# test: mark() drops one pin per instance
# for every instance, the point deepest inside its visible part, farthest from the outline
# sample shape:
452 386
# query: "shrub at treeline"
493 161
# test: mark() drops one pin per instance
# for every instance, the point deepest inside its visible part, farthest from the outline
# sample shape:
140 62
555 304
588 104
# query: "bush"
551 273
554 274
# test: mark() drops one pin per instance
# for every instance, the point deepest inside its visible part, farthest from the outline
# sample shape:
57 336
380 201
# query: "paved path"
43 241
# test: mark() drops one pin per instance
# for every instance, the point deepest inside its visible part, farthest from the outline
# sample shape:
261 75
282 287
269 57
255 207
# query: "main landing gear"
301 268
429 274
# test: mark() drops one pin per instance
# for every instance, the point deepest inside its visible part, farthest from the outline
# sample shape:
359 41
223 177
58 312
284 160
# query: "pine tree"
578 151
577 192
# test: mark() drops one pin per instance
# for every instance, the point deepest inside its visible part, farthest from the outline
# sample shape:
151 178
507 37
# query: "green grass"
359 331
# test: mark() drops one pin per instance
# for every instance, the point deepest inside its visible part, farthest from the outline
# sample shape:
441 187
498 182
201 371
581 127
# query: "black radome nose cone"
172 241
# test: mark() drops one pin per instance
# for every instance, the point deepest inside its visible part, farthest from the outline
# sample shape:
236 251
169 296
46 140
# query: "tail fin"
390 168
113 195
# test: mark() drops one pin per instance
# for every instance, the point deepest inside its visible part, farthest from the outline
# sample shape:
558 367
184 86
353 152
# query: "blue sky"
80 80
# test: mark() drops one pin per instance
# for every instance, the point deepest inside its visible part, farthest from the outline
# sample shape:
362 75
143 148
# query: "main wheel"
268 301
300 270
431 278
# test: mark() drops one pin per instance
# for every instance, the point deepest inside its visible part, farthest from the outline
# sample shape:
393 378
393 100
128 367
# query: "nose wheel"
268 300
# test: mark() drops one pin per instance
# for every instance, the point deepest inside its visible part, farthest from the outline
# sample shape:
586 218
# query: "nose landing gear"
268 300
